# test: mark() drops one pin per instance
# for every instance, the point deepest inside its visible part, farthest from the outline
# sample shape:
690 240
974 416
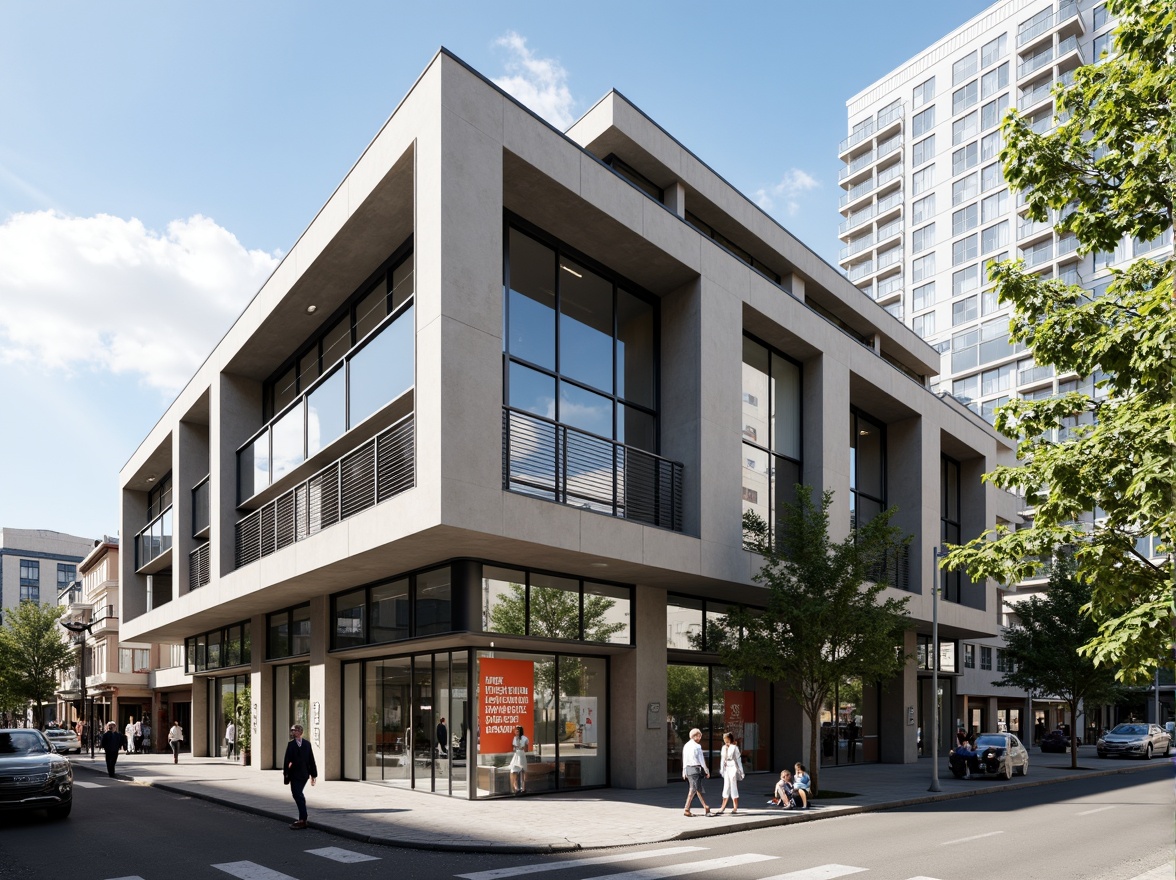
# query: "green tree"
1105 174
33 653
555 614
826 619
1043 648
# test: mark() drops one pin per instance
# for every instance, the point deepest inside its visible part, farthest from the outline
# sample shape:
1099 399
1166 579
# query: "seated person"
785 794
967 753
801 785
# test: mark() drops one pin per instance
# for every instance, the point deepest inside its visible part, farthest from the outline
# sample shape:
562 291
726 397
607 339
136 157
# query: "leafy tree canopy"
33 652
1096 465
1043 647
826 620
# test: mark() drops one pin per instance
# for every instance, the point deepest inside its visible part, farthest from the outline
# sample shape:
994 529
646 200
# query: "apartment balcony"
561 464
104 620
375 471
889 207
884 208
1037 30
889 122
1035 375
153 545
1069 55
888 147
1067 249
1034 63
856 219
857 193
1034 95
1031 231
890 260
856 138
888 288
1069 20
889 231
856 246
861 270
1038 255
856 168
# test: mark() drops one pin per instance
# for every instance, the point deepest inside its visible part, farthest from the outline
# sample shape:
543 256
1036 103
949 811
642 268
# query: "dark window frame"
196 648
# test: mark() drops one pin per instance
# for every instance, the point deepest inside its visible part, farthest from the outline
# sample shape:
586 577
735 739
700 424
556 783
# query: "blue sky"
157 159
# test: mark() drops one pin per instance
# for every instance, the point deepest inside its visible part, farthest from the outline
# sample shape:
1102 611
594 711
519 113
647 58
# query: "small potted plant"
244 723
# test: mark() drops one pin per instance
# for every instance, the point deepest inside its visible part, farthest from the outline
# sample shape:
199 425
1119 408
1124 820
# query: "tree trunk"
1074 735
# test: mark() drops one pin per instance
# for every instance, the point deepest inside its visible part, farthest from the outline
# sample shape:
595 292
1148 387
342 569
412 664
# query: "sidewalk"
381 814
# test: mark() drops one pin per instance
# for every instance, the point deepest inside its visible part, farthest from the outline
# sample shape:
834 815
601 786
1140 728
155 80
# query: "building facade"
477 454
925 208
124 681
36 564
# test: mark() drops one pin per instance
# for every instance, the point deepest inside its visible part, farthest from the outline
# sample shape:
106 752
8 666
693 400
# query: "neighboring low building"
477 454
36 564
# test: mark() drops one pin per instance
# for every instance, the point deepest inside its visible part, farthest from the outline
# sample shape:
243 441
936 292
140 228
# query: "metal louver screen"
199 567
380 469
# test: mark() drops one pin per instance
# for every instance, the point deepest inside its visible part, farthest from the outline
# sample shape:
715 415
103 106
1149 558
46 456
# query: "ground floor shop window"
717 701
423 721
291 704
849 724
228 699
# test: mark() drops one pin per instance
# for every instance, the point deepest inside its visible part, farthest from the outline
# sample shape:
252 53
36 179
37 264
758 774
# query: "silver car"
1135 740
1001 754
63 740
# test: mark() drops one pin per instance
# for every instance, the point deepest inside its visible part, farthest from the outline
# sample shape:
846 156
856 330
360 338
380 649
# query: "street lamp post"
936 553
83 629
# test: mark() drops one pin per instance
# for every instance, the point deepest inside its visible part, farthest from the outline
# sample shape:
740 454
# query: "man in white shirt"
694 770
231 739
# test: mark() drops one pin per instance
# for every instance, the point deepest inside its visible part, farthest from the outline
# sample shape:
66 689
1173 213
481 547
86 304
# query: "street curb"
714 829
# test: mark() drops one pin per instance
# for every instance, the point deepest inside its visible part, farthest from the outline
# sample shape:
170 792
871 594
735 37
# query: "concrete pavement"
561 822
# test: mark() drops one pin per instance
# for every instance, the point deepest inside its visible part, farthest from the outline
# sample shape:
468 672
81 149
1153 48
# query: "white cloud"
539 83
787 192
106 294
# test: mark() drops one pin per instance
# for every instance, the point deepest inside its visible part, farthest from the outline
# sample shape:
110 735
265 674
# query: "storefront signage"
507 702
739 717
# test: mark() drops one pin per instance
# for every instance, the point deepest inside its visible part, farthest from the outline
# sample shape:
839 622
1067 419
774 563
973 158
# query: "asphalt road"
1111 828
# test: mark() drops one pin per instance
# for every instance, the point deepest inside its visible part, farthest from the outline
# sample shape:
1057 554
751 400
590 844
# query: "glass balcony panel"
288 450
326 412
253 471
382 370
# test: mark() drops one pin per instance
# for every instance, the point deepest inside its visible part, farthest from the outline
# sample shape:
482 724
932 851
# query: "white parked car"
63 741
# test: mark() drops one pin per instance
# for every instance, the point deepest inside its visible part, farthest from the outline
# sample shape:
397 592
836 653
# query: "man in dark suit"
297 767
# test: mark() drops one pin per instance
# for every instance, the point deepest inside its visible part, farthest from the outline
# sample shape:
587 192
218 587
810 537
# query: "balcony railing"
1034 63
861 270
889 258
856 165
199 567
373 472
1035 29
888 116
1035 374
889 146
857 246
857 137
553 461
1027 227
154 540
889 286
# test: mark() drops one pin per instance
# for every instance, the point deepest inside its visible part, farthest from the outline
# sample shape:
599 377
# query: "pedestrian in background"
297 767
231 739
731 769
129 735
146 736
175 737
111 742
693 770
138 737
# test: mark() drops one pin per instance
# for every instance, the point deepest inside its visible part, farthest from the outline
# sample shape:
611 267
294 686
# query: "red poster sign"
507 701
738 711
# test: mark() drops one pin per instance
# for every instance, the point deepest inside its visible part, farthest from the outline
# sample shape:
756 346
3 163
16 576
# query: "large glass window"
716 701
867 468
554 607
218 649
288 633
771 420
949 518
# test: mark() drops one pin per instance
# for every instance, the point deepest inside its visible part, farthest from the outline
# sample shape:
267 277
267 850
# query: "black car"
1055 741
32 775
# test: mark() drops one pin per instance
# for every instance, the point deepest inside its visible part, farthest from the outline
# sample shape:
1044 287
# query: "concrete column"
674 198
638 678
898 735
681 393
235 415
198 736
825 408
132 594
189 465
991 707
325 690
261 692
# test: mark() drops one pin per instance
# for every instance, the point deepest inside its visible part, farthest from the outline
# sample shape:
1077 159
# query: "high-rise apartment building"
925 208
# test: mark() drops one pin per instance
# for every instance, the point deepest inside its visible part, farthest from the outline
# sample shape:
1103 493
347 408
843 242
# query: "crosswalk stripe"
1097 810
577 863
821 872
969 839
79 784
921 878
342 855
1163 872
687 868
135 877
251 871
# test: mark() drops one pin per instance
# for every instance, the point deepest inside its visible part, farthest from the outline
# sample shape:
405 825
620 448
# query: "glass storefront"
849 724
291 703
227 697
716 701
422 722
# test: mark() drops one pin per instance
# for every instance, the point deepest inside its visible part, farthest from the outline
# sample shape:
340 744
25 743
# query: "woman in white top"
731 769
518 762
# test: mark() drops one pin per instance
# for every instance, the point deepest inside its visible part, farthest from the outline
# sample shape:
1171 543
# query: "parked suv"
1135 739
32 775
